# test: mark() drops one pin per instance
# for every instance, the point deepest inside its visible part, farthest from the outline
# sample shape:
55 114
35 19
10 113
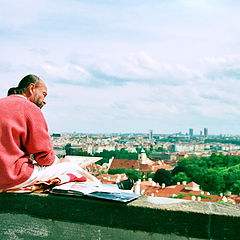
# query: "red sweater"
23 131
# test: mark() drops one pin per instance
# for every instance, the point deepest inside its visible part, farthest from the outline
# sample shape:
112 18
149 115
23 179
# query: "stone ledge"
205 220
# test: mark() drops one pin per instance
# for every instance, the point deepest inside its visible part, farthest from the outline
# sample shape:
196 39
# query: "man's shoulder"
19 102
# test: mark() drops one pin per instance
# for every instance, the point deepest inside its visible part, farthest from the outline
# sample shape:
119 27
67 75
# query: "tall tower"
205 132
150 135
190 132
142 157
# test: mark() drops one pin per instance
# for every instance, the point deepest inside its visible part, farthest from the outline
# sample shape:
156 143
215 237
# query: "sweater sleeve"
38 141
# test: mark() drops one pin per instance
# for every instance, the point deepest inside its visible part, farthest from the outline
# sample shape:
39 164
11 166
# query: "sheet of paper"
88 187
83 161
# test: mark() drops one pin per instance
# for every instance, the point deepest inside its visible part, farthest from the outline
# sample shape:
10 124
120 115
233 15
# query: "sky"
127 65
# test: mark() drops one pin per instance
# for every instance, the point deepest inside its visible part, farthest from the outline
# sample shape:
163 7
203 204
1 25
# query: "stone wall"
47 216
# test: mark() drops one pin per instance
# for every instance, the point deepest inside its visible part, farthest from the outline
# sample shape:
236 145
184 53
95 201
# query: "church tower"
142 157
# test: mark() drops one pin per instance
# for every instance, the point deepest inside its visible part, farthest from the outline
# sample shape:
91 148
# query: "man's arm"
38 141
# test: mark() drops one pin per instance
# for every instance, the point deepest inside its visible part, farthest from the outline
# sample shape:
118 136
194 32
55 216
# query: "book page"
83 161
88 187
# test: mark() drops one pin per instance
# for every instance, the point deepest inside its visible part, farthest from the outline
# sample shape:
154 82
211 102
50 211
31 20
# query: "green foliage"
75 151
106 155
236 187
133 174
102 161
217 173
220 140
181 176
160 149
119 154
150 175
213 181
117 171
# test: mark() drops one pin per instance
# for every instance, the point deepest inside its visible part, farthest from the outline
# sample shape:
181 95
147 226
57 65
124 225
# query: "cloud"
126 65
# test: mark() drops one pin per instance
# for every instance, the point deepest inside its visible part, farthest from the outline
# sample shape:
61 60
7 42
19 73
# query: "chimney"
199 199
184 183
178 183
163 185
153 184
137 187
224 199
194 198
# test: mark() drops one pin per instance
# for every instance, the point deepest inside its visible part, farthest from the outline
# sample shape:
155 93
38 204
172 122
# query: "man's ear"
31 88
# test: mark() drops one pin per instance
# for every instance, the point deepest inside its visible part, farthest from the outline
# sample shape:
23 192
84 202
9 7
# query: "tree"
117 171
161 149
231 177
213 181
181 176
150 175
217 173
236 187
135 174
163 176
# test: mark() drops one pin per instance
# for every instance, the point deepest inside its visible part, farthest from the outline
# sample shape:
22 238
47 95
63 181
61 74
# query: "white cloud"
121 65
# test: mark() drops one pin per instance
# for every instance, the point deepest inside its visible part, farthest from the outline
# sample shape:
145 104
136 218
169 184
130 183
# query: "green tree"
117 171
213 181
160 149
150 175
181 176
217 173
135 174
236 187
231 176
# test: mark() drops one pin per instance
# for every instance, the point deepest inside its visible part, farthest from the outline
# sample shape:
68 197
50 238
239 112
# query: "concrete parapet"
47 216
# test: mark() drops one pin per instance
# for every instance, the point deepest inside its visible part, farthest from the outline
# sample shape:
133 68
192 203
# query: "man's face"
40 94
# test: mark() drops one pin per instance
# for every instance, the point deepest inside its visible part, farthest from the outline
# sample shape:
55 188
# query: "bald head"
33 88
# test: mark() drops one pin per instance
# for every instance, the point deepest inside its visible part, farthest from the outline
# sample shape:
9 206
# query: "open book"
91 189
83 161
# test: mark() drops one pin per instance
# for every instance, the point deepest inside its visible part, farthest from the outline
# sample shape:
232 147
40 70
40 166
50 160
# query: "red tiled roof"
145 168
192 184
165 166
111 178
124 163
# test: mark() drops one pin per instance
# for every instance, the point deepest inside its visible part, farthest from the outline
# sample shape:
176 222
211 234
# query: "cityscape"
148 92
143 155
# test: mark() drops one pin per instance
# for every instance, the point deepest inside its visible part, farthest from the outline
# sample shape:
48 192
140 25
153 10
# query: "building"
190 132
205 132
151 135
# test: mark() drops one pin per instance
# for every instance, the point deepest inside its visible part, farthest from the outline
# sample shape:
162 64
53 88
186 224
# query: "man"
24 133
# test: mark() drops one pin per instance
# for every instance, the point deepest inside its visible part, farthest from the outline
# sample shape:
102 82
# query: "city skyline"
127 66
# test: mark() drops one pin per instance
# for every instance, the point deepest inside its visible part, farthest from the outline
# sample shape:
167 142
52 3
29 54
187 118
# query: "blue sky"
127 66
